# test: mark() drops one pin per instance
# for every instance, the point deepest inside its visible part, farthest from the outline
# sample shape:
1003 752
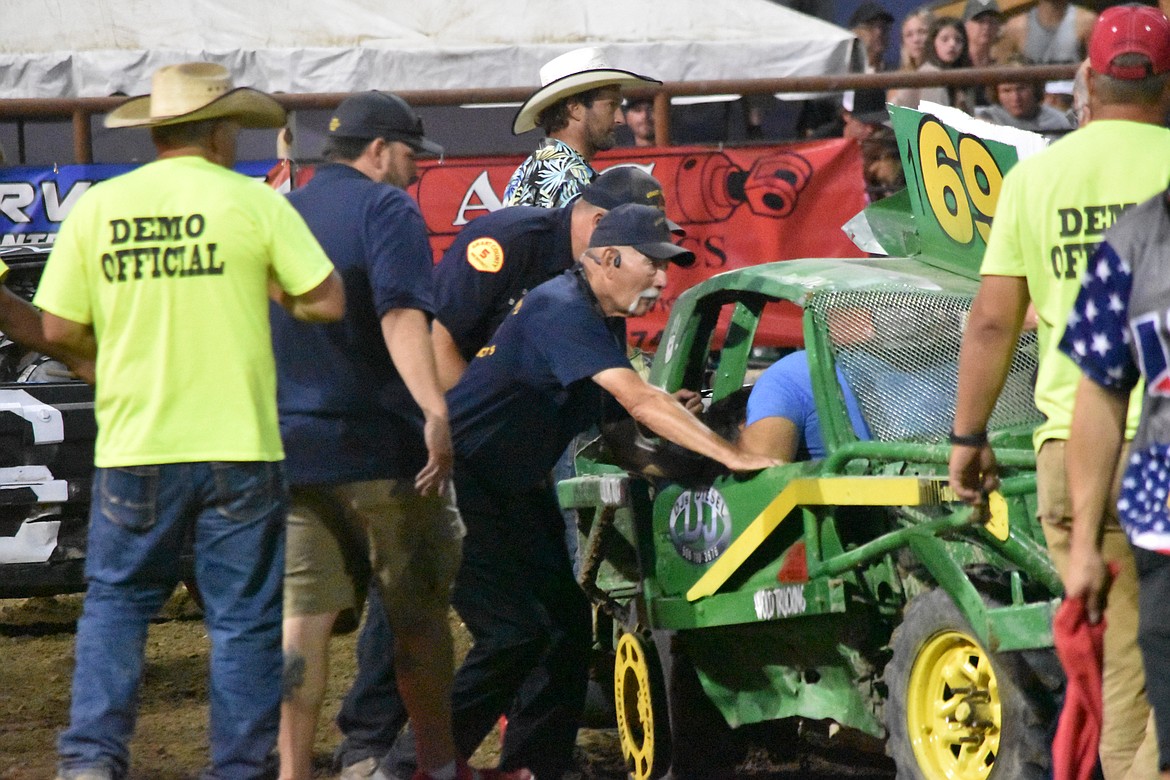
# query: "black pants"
530 623
1153 570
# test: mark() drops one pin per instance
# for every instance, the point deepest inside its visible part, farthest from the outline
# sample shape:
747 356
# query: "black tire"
640 702
943 685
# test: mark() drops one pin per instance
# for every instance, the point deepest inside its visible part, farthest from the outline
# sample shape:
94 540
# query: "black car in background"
47 433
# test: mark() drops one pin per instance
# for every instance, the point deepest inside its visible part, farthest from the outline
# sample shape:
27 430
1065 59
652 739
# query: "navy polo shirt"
345 413
530 390
495 261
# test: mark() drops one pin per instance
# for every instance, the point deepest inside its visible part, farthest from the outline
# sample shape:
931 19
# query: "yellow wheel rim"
635 713
953 709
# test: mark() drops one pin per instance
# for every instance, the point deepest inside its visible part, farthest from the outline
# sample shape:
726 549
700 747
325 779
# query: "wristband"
968 440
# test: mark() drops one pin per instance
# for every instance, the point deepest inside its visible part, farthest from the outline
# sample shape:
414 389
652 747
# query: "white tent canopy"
91 48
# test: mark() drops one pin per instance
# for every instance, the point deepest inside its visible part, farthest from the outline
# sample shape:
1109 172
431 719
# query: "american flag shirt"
1117 334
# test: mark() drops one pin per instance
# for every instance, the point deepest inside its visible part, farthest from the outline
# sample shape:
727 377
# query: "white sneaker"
366 769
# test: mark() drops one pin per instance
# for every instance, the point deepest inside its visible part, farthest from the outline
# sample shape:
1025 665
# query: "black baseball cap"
377 114
627 184
643 227
870 11
869 106
624 184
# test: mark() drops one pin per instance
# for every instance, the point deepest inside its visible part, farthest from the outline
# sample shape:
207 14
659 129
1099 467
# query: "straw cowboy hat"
193 92
569 74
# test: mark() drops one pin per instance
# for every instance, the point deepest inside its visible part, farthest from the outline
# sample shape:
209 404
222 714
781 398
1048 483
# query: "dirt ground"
36 648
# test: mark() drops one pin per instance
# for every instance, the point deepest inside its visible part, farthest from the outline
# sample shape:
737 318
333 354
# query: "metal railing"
80 110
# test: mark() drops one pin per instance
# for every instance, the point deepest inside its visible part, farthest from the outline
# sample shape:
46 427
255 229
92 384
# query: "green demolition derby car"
853 592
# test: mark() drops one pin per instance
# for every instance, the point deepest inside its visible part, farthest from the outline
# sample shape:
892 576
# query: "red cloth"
1080 647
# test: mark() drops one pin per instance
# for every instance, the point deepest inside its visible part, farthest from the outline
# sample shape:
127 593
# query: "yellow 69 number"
961 184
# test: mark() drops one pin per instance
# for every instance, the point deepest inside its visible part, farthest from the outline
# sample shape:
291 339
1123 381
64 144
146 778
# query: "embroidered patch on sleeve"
485 254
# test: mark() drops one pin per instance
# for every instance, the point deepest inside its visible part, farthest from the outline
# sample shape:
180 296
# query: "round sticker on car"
700 525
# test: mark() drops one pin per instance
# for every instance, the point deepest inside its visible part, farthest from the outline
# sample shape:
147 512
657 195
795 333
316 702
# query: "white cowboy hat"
569 74
193 92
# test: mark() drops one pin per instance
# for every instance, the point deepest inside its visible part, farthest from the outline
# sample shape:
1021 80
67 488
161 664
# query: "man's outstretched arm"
661 413
72 343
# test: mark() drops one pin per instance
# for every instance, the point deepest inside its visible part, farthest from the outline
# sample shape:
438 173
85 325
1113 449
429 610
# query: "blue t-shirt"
345 413
785 390
530 390
494 262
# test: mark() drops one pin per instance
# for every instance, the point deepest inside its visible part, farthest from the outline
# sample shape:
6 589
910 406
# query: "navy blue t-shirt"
529 391
495 261
345 413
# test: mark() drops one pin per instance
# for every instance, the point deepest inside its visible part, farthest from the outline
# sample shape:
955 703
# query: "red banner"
740 207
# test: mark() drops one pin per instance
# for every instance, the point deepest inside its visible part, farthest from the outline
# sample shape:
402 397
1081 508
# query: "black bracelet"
968 440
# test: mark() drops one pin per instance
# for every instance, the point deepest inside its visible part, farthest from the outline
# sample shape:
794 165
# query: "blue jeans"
140 518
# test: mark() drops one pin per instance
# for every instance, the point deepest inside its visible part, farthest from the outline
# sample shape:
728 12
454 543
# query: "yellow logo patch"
334 123
485 254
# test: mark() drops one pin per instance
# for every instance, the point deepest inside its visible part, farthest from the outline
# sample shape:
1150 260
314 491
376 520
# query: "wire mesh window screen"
899 352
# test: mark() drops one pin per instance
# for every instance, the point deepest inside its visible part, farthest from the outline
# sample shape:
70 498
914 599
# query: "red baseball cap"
1130 29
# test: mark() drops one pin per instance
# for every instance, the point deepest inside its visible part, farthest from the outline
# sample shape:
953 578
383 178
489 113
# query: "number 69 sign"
953 178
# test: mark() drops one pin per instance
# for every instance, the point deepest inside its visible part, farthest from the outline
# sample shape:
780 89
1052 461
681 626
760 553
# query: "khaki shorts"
339 536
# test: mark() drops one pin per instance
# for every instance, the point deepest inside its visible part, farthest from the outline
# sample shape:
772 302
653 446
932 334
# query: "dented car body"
852 591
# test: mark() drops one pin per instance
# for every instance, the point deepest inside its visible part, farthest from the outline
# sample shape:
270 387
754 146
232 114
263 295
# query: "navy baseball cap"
627 184
375 114
643 227
624 184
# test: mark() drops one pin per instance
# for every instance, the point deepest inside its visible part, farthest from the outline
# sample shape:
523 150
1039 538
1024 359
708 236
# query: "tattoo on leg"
293 677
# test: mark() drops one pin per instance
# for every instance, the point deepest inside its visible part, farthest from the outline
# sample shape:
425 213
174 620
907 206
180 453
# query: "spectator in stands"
782 420
871 24
1052 31
1020 104
578 105
639 114
915 29
821 117
867 121
1059 95
982 21
946 49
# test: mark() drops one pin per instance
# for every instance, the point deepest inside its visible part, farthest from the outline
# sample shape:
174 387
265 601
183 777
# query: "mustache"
649 294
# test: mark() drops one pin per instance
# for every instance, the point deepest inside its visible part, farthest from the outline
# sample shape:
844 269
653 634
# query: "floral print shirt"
550 178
